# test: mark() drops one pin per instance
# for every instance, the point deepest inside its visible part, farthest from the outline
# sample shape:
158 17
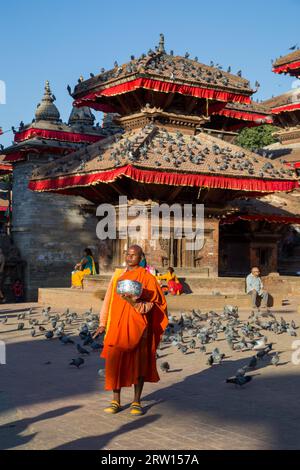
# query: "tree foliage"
256 137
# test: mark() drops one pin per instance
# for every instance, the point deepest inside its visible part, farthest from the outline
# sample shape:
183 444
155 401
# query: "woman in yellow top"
84 268
174 286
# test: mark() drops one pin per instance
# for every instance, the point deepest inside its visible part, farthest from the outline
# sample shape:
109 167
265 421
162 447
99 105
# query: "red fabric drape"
288 107
6 167
14 157
56 135
161 86
258 217
286 67
158 177
246 116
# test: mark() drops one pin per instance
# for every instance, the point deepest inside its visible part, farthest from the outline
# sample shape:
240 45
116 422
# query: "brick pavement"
54 406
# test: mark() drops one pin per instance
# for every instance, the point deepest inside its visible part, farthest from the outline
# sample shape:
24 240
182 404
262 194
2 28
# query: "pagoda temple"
49 231
168 154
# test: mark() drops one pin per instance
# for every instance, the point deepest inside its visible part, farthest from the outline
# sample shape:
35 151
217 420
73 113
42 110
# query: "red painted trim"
286 108
161 86
246 116
166 178
259 217
55 135
287 67
14 157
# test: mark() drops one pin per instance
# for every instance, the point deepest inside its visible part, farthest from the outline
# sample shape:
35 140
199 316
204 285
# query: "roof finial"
46 109
161 46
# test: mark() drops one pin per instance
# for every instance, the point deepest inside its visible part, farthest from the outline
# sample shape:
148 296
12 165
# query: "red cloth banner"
14 157
287 67
157 177
258 217
286 108
5 168
56 135
246 116
161 86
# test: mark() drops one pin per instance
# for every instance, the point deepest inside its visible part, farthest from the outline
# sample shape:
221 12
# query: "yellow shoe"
136 409
114 408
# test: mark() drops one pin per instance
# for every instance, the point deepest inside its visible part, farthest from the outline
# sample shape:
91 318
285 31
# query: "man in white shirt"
255 288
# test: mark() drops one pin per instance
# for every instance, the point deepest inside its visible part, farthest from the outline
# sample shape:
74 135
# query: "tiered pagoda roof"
179 83
163 102
288 64
47 133
159 158
285 103
236 116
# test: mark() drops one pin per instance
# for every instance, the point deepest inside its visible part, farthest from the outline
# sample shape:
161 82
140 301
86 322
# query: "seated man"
254 287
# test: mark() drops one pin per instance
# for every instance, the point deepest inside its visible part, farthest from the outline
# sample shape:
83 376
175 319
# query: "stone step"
62 298
222 285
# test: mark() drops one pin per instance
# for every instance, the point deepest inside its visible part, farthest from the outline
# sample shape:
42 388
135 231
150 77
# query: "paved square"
47 404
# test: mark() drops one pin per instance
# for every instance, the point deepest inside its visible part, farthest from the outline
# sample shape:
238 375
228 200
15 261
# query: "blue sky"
60 40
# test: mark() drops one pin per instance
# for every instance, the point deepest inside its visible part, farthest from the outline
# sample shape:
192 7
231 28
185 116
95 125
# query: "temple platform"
202 293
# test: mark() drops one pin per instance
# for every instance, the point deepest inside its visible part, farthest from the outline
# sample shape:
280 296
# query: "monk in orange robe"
133 327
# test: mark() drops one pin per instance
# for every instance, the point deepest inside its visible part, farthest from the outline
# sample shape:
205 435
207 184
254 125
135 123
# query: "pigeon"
66 339
96 346
20 326
210 360
261 354
41 328
4 320
82 350
32 332
192 344
241 372
21 316
253 363
202 349
293 325
49 334
291 332
217 356
77 362
239 380
260 344
275 359
165 367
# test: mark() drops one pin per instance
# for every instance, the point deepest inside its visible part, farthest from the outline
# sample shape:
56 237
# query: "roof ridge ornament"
161 45
46 109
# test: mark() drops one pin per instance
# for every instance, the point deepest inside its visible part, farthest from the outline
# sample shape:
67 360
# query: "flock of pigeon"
190 333
199 331
54 326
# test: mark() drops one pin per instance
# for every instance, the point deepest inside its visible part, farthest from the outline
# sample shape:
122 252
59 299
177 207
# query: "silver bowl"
129 287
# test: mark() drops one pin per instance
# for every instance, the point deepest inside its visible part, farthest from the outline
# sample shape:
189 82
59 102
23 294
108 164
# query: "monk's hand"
131 299
100 330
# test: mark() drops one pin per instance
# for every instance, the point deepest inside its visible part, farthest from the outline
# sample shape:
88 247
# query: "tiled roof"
167 67
287 59
290 97
156 148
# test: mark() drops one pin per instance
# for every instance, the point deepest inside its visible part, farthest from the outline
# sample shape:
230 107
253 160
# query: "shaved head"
137 248
133 256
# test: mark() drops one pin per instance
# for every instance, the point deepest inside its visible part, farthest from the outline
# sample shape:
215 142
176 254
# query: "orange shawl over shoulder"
131 337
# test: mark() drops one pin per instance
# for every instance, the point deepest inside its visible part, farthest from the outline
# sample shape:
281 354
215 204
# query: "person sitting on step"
255 288
82 269
174 286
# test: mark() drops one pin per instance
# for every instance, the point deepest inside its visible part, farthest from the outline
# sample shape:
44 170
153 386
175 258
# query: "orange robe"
132 337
